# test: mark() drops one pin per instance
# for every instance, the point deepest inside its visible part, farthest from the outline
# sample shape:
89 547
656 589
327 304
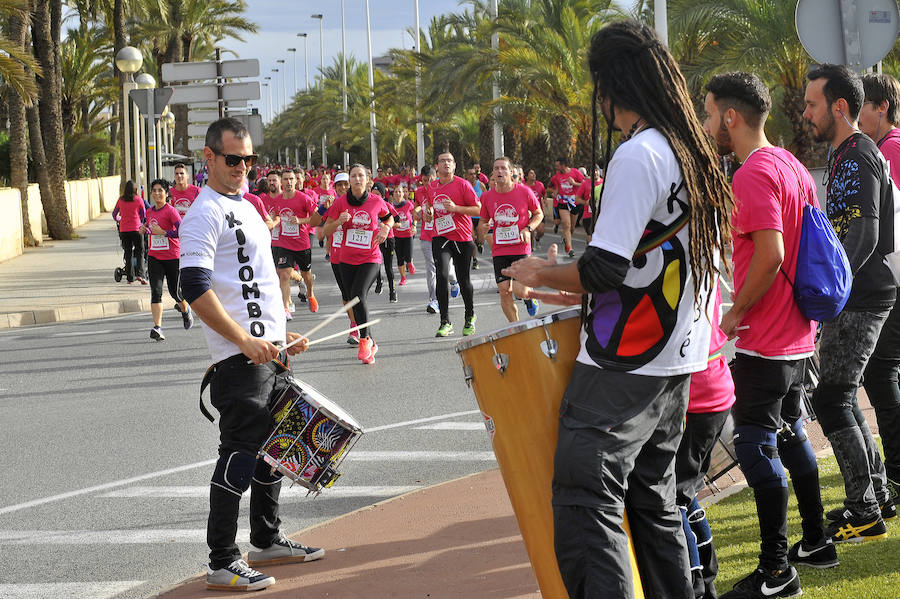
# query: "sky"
279 21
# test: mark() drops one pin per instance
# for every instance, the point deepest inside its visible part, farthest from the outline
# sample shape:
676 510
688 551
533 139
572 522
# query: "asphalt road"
106 457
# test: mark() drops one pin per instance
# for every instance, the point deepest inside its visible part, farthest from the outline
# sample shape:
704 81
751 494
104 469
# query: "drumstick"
337 313
350 330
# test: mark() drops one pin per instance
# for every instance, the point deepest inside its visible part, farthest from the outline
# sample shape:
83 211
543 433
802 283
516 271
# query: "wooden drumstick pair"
345 308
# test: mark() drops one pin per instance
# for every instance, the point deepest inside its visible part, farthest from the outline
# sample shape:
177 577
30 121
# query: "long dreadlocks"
633 70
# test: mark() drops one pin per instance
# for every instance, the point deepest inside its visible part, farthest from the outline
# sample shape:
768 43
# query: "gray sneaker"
284 551
237 576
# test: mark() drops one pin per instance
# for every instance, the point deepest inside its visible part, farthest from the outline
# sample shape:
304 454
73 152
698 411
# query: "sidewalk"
69 280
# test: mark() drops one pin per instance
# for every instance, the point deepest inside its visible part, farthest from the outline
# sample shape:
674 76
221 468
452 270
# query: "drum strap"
278 366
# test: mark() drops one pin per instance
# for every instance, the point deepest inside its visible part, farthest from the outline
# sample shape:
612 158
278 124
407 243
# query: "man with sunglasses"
228 277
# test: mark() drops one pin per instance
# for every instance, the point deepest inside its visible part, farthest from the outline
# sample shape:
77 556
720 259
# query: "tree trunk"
37 156
512 146
486 140
802 145
535 155
86 127
45 39
18 146
560 132
5 109
583 149
118 130
113 167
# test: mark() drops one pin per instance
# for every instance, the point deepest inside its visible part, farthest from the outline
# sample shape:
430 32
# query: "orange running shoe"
313 304
365 350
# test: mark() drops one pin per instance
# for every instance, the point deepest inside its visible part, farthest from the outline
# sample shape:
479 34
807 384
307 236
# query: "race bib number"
159 242
428 226
404 225
359 238
507 235
275 231
290 229
337 238
444 224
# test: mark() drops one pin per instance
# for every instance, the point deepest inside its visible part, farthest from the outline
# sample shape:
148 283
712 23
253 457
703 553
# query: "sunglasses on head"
233 160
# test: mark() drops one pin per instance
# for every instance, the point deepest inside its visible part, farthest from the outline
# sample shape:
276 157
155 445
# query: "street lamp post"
420 126
371 94
294 52
277 105
129 61
495 91
146 81
267 102
322 74
344 77
283 83
305 56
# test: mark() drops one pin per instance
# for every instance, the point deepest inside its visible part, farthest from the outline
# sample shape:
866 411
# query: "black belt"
276 367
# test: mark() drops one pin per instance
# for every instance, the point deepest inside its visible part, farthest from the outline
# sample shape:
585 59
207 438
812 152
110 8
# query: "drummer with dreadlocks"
649 268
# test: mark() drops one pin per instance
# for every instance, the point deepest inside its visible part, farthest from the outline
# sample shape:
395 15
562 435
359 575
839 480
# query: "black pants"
357 279
133 244
163 269
241 393
387 256
336 269
880 380
461 252
403 248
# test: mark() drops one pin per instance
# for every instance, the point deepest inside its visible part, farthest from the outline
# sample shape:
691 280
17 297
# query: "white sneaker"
237 576
284 551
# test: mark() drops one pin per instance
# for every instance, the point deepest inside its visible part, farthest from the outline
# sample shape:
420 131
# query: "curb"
11 320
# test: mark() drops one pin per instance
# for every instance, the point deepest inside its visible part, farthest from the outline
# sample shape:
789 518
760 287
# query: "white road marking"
69 590
127 481
453 426
287 491
137 536
82 333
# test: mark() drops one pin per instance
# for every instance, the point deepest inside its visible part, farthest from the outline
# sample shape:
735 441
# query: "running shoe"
142 280
411 268
474 263
444 330
469 328
432 307
393 297
313 304
378 284
454 289
555 229
763 585
853 529
571 253
820 555
321 243
327 257
237 576
532 306
480 247
187 318
888 512
301 296
287 315
283 551
353 338
371 358
156 334
403 280
291 307
365 350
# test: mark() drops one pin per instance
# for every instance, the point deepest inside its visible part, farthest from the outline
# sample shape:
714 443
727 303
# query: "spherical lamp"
129 59
145 81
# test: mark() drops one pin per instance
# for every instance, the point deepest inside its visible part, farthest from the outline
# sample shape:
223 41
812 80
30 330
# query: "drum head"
317 400
518 327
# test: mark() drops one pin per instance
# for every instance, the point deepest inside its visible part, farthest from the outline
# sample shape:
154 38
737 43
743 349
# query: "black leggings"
159 270
357 279
403 248
133 244
336 269
387 255
461 253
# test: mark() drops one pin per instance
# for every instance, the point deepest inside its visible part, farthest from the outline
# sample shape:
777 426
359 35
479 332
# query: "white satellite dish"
856 33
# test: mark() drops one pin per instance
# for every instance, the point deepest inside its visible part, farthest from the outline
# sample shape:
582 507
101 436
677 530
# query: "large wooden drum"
519 374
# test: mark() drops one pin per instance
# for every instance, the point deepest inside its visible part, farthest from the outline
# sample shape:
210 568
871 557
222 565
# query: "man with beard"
774 338
860 207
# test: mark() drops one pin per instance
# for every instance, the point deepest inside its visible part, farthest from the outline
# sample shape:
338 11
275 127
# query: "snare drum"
310 438
519 374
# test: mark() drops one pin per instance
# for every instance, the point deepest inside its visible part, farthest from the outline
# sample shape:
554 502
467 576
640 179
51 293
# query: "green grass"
869 570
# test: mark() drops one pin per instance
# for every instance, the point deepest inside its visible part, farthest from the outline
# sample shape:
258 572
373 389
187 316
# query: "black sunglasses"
233 160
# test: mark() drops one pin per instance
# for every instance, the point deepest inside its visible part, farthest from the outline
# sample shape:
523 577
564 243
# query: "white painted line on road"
453 426
178 492
70 590
137 536
127 481
421 456
82 333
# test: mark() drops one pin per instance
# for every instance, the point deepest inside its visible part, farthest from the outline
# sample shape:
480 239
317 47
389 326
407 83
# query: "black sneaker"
852 529
301 296
156 334
822 555
764 585
237 576
283 551
474 263
378 285
888 512
393 297
480 247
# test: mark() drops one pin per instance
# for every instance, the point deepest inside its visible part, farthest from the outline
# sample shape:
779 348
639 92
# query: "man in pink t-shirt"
563 186
774 338
513 213
182 194
292 246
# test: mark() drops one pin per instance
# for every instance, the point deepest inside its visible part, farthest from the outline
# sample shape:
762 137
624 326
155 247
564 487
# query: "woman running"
365 222
130 213
404 231
163 221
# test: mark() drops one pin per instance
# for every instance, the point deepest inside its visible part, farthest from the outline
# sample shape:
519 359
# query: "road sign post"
151 102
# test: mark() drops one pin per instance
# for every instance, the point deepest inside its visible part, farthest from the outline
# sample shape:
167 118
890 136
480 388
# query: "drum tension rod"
550 347
501 361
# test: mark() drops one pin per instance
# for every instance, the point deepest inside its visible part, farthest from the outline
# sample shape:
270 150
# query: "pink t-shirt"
294 236
164 247
566 185
393 212
257 203
403 220
537 189
767 191
130 214
426 232
712 390
272 208
890 147
585 191
452 225
358 234
322 195
182 200
510 213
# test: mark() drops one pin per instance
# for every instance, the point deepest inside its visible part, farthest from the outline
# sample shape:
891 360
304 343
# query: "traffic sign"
253 122
151 100
856 33
214 105
201 71
196 143
202 116
209 92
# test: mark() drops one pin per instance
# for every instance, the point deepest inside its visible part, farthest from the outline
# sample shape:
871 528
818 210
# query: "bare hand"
428 212
300 347
449 205
524 236
729 324
558 298
381 235
258 350
157 230
344 217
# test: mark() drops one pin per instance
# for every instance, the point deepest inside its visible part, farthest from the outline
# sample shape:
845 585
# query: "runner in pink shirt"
182 194
365 222
426 228
404 232
162 223
450 204
586 191
563 186
512 212
292 246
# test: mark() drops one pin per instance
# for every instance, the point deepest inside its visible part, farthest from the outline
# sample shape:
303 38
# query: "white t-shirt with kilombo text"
649 324
227 237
